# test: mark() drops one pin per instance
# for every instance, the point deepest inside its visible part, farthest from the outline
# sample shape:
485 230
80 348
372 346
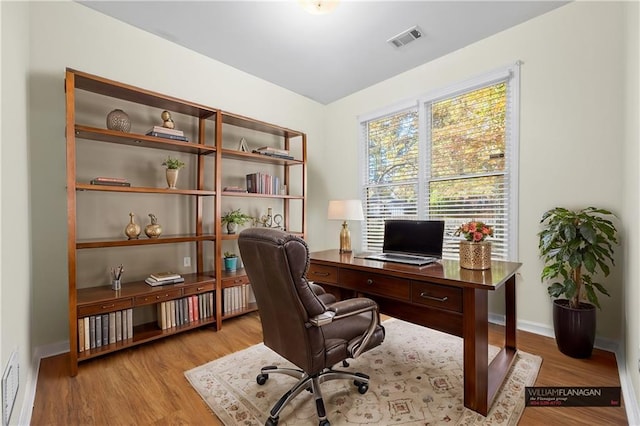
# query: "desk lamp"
345 210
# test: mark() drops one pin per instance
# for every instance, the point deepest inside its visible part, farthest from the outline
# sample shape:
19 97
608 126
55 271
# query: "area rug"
416 380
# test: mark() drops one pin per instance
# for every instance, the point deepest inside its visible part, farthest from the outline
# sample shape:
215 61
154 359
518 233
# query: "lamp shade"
345 210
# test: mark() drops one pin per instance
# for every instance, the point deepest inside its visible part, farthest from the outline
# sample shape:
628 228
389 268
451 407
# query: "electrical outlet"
186 262
10 383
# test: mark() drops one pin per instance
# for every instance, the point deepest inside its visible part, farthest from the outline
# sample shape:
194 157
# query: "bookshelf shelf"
98 151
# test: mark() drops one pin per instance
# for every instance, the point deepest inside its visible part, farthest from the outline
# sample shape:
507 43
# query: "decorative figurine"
133 229
153 230
167 120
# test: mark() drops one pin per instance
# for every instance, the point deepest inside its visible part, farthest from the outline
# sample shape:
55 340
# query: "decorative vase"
172 178
232 227
133 229
153 230
475 255
230 263
118 120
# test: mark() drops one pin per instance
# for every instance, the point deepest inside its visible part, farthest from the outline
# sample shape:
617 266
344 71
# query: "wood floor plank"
145 385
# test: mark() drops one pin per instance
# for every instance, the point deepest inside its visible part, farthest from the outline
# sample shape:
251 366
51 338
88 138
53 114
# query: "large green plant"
575 245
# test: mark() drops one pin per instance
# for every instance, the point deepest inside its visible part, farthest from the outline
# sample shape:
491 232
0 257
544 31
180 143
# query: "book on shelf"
110 179
105 329
165 130
98 331
272 150
87 341
154 283
108 183
81 335
112 327
274 155
234 189
167 136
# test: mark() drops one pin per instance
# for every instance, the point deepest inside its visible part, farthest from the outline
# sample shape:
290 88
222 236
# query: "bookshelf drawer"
104 307
234 281
159 296
323 274
197 288
437 296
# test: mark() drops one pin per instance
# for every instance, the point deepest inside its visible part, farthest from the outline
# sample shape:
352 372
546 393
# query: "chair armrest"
349 307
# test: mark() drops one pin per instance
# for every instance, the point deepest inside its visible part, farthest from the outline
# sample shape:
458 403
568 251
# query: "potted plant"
173 166
234 218
575 246
230 261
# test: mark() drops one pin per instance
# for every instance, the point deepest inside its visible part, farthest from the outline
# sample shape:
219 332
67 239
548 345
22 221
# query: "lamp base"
345 239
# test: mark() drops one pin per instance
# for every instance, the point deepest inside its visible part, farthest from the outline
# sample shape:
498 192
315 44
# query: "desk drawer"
437 296
160 296
382 285
323 274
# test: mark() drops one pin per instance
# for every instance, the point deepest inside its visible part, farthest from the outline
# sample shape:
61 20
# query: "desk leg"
475 332
510 308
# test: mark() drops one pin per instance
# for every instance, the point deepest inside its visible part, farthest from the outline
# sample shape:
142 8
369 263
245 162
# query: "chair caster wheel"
362 387
324 423
271 421
261 379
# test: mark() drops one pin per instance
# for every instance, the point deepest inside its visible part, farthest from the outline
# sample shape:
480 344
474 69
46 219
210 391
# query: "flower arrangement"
474 231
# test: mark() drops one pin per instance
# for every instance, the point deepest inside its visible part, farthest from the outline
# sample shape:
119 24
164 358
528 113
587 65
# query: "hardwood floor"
146 385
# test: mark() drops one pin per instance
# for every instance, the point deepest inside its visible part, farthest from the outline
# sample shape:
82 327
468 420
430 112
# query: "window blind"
450 158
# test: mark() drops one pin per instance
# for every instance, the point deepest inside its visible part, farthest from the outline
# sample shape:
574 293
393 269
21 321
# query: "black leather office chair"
297 324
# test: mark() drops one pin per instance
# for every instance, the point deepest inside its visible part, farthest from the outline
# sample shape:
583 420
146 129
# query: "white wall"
15 276
631 190
571 129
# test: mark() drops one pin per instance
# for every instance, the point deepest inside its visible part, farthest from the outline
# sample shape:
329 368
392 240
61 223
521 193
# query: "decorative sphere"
118 120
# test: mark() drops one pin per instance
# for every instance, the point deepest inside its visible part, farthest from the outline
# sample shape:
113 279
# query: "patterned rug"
416 379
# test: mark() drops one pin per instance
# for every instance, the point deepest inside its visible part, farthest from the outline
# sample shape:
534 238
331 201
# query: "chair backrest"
276 263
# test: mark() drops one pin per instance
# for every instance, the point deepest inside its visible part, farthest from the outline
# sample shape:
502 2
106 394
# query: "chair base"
310 383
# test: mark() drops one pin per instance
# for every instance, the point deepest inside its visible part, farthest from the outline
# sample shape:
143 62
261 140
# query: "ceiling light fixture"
319 7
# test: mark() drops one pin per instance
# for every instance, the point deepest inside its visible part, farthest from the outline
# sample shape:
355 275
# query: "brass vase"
153 230
475 255
133 229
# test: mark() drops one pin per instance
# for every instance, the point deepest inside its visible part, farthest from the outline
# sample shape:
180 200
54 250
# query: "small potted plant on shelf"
230 261
576 245
173 166
234 218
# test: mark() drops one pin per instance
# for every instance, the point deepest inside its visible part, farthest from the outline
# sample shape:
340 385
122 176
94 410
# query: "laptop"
412 242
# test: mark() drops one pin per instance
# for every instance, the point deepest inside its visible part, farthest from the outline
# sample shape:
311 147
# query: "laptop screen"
417 237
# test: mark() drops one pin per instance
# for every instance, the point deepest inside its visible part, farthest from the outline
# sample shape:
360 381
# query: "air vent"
405 37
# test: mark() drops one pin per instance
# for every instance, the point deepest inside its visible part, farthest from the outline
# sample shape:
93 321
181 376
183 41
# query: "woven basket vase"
475 255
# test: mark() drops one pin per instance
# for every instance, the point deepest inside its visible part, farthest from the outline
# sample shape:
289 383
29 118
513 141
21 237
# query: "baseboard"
32 380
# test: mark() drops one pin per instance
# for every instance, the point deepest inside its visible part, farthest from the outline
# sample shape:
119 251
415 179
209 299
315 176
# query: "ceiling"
322 57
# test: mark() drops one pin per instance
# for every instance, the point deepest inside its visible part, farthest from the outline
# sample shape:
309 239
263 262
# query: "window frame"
510 74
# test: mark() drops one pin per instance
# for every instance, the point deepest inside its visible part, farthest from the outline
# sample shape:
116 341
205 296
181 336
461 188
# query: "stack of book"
273 152
164 278
110 181
234 189
165 132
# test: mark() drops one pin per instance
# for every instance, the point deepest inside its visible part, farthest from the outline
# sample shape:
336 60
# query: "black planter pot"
575 328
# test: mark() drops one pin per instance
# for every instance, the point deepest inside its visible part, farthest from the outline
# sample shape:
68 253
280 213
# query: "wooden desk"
441 296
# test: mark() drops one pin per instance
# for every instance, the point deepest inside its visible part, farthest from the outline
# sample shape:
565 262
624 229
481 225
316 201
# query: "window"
450 156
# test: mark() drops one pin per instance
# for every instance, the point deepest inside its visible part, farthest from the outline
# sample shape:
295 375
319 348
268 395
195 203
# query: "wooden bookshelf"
206 144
